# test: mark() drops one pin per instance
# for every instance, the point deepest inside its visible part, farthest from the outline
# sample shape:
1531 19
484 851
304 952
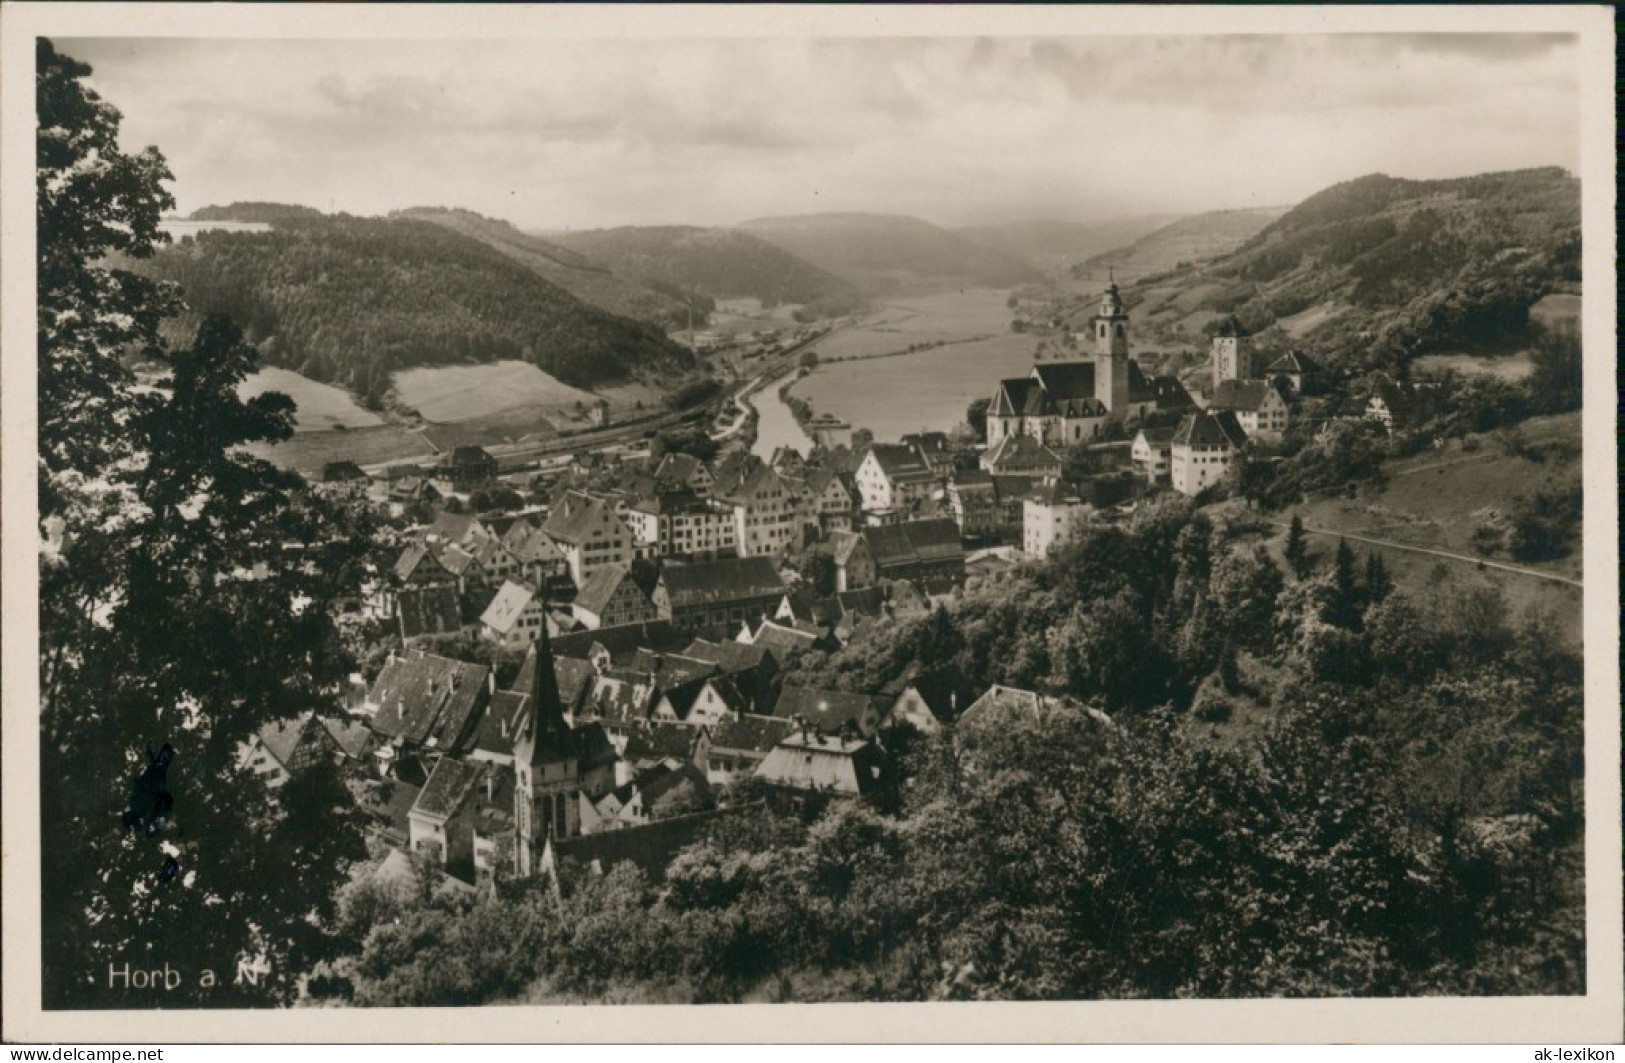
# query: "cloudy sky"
583 133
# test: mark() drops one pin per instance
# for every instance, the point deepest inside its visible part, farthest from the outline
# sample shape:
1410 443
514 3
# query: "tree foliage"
187 597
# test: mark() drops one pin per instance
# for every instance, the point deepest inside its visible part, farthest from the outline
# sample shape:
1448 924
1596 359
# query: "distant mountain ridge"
889 253
350 300
253 210
1056 246
1373 272
720 263
1185 239
644 299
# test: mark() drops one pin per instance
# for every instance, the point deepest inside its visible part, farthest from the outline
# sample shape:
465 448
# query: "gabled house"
699 702
717 595
752 669
892 476
1202 449
807 770
1399 405
854 564
1152 453
685 471
654 745
739 744
423 610
1259 405
923 551
1021 455
540 561
611 597
973 503
515 616
428 702
590 536
764 507
468 467
1297 370
929 699
784 641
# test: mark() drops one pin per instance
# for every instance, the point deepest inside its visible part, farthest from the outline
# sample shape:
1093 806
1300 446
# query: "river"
775 425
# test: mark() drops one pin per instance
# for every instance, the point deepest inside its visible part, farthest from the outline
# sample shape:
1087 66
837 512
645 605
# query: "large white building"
1204 445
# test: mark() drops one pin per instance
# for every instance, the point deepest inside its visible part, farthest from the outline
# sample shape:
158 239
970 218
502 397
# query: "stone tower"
547 780
1111 353
1232 353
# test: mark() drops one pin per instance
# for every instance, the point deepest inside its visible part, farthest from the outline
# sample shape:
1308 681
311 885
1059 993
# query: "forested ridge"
349 300
1425 265
721 263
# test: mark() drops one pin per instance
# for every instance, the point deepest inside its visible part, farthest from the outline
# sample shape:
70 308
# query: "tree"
1343 610
187 594
1378 583
976 416
1297 551
808 360
1555 379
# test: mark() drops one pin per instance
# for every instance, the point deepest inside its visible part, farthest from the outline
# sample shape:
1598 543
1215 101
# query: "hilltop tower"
547 779
1232 353
1111 353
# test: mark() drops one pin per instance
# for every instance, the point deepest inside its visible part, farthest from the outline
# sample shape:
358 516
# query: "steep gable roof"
282 737
621 641
1292 362
449 785
428 610
822 763
427 699
575 524
1020 452
351 736
748 732
723 580
507 606
596 594
901 464
1245 395
1169 393
1064 381
1209 429
729 656
1010 399
828 710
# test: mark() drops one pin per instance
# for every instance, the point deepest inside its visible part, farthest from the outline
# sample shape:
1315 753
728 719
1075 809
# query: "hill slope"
1375 272
888 253
1188 239
720 263
1057 246
349 301
590 281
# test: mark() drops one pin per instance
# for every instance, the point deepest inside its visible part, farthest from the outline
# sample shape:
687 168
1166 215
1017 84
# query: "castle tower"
1232 353
547 782
1111 353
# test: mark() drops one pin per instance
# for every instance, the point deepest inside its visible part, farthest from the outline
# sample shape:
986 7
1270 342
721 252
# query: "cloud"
594 132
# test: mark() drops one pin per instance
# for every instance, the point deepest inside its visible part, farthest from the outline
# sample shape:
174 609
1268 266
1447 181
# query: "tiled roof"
724 580
914 541
282 737
1065 381
620 640
781 641
453 527
1292 362
351 736
1247 395
448 787
1011 398
823 764
729 656
455 559
828 710
659 741
757 734
427 700
595 594
1020 452
428 610
650 847
507 606
843 544
576 524
900 463
1209 429
1158 437
1169 393
670 668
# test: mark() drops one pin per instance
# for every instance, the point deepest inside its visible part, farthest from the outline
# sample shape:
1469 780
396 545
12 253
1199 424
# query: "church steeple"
1111 353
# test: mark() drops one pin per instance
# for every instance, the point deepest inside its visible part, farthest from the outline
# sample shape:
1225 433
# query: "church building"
1062 403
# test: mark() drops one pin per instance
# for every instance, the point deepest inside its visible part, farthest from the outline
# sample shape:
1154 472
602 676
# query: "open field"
453 393
1507 367
1556 309
309 451
1434 501
320 406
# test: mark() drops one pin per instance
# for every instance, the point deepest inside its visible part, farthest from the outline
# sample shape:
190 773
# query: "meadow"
320 406
453 393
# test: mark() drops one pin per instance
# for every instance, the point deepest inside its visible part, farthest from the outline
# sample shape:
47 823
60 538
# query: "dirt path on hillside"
1437 553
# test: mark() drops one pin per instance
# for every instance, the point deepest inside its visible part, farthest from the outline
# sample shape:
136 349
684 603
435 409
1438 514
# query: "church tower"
1232 353
547 780
1111 353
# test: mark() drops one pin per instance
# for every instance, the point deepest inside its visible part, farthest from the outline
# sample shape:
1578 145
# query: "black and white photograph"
604 507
